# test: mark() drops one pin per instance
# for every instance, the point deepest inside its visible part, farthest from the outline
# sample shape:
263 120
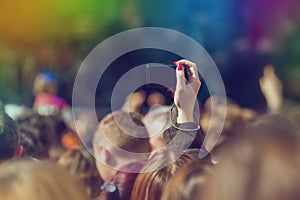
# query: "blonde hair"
36 180
116 126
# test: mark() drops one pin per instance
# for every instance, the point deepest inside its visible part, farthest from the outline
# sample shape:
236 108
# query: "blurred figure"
188 183
34 180
33 146
134 102
120 187
156 122
46 101
70 140
154 176
45 130
156 99
119 136
9 138
81 163
14 111
45 90
85 129
264 164
272 89
236 119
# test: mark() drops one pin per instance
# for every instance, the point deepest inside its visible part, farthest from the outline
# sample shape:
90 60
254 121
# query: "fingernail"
180 68
175 62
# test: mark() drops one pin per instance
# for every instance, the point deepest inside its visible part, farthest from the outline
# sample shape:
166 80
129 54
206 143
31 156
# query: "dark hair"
157 172
116 127
9 136
82 163
121 185
32 145
44 130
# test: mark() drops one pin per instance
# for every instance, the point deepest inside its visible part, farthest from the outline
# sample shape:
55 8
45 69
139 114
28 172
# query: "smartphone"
160 75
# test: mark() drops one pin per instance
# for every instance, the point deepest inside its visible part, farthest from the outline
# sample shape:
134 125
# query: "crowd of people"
152 156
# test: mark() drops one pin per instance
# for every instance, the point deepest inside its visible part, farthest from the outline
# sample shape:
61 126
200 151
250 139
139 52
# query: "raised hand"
186 93
271 88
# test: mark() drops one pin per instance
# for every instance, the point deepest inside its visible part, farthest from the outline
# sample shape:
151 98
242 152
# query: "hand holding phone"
186 92
164 75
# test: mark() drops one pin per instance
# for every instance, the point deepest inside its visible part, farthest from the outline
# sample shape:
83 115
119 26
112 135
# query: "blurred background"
241 36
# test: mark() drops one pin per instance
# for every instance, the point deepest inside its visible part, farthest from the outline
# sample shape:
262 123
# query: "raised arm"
186 92
271 88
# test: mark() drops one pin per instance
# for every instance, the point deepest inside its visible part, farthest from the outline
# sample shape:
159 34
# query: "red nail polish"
180 68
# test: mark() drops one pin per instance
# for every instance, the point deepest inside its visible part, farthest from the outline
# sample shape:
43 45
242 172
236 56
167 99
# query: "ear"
19 151
106 157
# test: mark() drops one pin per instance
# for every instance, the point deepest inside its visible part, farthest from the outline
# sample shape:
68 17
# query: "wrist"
185 116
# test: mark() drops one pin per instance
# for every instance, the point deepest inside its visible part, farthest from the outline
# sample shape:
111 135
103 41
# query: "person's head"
118 140
264 164
45 83
46 129
236 119
81 163
156 122
31 141
9 138
188 183
120 187
36 180
156 98
195 153
160 168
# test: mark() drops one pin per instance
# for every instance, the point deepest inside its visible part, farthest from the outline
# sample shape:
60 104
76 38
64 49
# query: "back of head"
125 131
157 121
262 165
9 137
81 163
33 180
31 142
43 131
120 139
188 183
157 172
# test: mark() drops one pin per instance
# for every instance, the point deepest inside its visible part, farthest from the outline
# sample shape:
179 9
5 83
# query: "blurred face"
104 160
155 130
105 171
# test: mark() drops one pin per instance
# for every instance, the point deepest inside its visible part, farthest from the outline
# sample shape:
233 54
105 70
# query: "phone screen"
163 75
